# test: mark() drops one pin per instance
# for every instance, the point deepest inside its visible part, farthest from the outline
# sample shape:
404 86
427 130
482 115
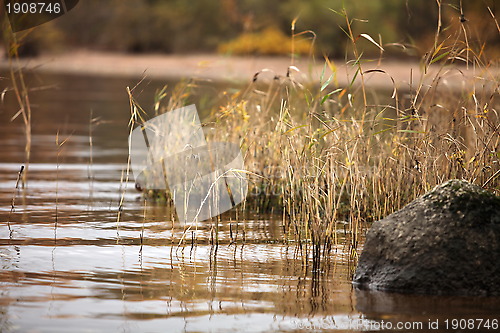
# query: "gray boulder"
446 242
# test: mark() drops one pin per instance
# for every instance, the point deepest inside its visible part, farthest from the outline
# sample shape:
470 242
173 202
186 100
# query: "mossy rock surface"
446 242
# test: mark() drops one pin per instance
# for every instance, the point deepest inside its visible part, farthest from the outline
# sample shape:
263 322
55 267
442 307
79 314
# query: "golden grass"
270 41
334 158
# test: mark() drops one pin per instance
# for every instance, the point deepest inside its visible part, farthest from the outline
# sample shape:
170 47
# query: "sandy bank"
239 69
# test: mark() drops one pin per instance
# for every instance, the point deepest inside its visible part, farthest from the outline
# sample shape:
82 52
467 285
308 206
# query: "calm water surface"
67 265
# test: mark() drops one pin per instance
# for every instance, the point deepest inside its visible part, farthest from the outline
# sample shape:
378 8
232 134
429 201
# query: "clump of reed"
332 158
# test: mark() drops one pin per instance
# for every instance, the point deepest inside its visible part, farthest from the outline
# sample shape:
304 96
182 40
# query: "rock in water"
446 242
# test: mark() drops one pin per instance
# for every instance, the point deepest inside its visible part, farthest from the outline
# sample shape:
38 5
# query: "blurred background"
244 27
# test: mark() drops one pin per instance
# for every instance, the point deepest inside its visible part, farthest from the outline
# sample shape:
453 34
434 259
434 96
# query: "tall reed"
20 89
331 159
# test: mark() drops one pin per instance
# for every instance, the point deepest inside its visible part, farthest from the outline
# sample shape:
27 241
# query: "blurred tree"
203 25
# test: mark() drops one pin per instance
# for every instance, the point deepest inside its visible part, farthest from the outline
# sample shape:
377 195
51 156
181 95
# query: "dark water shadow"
435 313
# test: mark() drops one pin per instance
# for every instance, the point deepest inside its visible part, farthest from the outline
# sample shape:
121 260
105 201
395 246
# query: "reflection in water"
90 273
394 307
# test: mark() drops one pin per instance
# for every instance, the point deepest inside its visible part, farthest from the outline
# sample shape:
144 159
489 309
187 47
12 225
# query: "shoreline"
220 68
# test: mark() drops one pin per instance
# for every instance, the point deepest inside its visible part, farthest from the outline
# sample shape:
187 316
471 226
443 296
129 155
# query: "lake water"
67 265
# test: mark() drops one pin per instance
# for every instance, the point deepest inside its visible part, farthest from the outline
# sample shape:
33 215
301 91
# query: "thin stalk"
13 202
22 96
